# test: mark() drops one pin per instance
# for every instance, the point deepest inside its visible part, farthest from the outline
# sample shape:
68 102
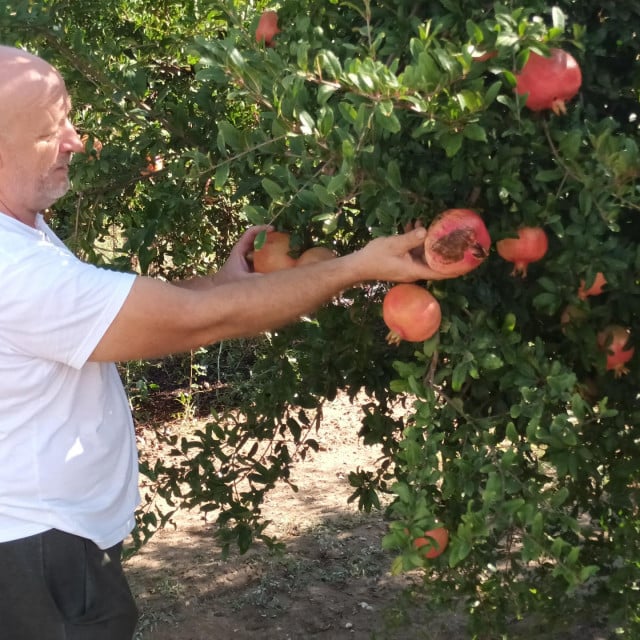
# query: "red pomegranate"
411 313
549 81
457 242
267 28
595 289
273 255
435 541
614 339
530 246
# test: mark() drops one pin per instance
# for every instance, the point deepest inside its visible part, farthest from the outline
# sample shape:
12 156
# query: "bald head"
37 138
25 79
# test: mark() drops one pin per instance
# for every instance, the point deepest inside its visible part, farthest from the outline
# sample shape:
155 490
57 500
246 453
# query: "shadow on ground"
332 582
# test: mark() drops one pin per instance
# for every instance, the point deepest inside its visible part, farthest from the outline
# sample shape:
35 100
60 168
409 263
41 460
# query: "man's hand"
237 266
396 258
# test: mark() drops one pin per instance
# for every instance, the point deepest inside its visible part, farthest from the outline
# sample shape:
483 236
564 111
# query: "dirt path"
332 581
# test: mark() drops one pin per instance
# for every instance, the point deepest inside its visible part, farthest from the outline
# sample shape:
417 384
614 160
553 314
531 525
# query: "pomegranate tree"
549 81
457 242
529 246
411 313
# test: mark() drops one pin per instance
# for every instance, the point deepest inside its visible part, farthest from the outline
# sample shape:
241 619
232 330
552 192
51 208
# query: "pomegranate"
411 313
457 242
614 339
549 81
273 255
436 541
595 289
267 28
572 315
530 246
315 254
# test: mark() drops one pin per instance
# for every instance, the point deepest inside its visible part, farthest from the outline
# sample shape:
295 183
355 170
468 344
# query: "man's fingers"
413 238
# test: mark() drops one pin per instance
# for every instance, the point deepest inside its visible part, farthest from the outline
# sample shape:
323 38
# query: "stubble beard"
53 189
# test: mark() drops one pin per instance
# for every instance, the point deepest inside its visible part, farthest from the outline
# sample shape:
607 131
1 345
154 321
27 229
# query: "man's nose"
71 141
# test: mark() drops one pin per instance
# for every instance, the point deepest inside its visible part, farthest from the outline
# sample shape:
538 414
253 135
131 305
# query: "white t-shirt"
68 456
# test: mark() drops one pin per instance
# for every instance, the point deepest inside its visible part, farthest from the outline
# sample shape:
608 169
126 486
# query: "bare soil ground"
332 582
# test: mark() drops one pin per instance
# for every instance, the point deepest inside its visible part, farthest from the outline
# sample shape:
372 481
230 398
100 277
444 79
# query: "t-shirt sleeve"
57 307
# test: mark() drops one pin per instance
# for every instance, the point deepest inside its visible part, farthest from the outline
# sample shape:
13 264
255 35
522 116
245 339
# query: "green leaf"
325 91
548 175
492 93
475 132
402 491
452 143
512 433
459 375
491 362
259 240
330 63
273 189
307 125
222 175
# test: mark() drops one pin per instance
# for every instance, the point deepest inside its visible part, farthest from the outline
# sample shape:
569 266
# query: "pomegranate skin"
595 289
441 537
614 340
267 28
457 242
274 253
315 254
411 313
530 246
549 81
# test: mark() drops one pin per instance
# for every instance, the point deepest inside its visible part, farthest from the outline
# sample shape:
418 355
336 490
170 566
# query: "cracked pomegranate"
457 242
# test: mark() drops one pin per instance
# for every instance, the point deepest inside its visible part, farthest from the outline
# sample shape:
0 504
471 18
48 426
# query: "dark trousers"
57 586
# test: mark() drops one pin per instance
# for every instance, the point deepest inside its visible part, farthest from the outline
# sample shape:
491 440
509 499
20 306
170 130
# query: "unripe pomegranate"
614 339
273 255
457 242
573 315
436 541
595 289
530 246
267 28
315 254
411 313
549 81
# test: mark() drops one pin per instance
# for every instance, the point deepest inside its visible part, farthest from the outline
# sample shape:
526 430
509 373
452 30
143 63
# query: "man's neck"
25 217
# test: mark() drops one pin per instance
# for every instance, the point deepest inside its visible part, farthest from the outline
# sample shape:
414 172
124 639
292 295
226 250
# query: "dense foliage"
363 118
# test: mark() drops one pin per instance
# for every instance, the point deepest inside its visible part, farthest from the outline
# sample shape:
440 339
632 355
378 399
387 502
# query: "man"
68 462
